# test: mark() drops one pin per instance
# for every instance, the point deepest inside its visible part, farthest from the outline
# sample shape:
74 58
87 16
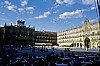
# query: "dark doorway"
87 41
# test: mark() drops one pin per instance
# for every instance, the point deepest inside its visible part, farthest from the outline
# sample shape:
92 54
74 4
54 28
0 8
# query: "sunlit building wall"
75 37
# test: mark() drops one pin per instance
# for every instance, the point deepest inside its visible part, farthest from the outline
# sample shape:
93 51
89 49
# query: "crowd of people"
52 59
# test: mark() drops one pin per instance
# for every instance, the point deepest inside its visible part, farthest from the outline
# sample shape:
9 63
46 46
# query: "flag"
98 3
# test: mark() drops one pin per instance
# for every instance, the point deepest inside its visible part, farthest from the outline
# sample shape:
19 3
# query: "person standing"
76 61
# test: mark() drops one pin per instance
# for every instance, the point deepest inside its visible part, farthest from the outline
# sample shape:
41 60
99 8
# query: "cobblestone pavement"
56 51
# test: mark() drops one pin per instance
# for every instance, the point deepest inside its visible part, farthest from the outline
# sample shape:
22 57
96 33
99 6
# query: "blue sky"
48 15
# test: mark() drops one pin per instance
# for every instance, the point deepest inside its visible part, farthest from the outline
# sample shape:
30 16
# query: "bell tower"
86 33
86 28
20 23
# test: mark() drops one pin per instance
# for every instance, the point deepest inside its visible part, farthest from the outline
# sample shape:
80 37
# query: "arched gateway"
87 42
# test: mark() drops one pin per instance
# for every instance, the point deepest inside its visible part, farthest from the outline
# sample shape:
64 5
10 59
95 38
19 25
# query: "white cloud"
93 8
7 2
29 8
69 1
65 1
73 14
93 20
60 1
45 15
92 3
57 6
54 12
88 2
30 12
9 6
24 2
21 9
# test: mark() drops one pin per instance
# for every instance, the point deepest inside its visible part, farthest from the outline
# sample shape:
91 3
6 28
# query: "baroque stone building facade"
19 34
75 37
45 38
16 34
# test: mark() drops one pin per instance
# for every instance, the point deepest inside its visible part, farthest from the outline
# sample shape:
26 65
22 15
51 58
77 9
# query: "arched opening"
81 45
87 41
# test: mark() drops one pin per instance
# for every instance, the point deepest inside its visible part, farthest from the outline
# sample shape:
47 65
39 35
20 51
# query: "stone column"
96 45
79 45
76 44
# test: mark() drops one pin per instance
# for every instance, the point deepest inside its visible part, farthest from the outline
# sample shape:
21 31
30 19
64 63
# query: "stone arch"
87 41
